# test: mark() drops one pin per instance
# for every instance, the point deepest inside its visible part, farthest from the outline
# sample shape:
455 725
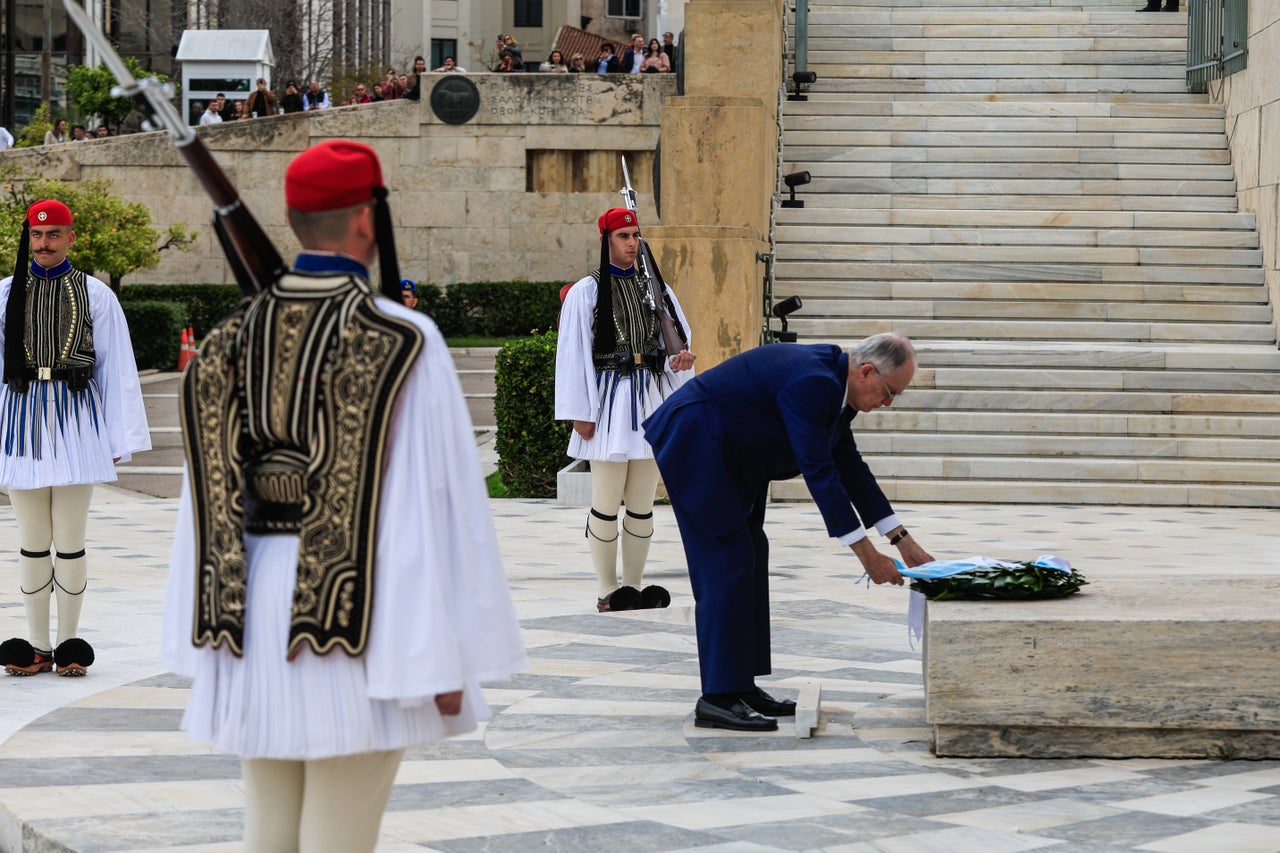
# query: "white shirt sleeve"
577 398
116 374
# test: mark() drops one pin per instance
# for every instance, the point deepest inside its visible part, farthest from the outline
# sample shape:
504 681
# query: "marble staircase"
1028 192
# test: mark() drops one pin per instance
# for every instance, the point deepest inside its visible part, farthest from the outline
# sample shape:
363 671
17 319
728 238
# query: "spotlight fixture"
802 80
781 310
795 179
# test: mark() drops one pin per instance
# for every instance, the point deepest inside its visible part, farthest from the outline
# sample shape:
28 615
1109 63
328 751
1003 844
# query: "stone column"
719 166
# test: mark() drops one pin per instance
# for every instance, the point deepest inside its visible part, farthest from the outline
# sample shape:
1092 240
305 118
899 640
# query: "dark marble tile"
39 772
1111 792
109 720
604 625
1266 812
621 837
834 772
129 832
616 654
1130 829
830 830
946 802
516 758
434 795
449 750
169 679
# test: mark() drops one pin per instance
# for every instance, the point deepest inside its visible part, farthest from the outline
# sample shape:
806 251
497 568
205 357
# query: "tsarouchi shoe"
18 657
622 598
739 717
73 657
654 596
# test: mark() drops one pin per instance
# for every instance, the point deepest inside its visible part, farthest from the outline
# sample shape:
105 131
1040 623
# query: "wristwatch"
898 537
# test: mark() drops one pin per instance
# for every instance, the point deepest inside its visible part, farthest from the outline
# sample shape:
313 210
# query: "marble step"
842 288
1100 84
969 253
832 105
881 150
905 234
1047 72
1194 203
994 169
996 141
790 217
1014 126
834 39
1018 187
1116 470
1031 272
932 16
1035 329
999 27
886 443
1171 98
1113 401
1105 380
977 309
1088 425
1214 358
958 62
1107 493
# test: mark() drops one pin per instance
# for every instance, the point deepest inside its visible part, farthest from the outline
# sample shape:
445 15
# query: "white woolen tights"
51 532
634 482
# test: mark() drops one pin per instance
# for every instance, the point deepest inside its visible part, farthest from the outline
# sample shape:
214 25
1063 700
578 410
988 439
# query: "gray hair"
886 351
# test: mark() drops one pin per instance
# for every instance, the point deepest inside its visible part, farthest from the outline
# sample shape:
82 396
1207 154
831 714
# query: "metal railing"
1217 40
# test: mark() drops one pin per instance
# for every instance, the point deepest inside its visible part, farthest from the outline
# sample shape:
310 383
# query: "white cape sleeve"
116 374
577 398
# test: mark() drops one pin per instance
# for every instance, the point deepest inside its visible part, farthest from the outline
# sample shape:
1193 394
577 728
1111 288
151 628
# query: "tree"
40 124
113 236
89 91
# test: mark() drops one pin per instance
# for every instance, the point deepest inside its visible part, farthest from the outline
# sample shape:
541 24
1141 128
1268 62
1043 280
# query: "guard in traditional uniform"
611 373
70 408
336 591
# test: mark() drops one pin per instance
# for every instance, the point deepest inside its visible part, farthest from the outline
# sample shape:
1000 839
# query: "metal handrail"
1217 40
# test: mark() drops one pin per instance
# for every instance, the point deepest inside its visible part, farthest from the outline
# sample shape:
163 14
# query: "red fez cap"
332 175
615 218
48 212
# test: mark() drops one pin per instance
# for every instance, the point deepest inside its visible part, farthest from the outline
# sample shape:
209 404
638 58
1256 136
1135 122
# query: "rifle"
253 259
673 341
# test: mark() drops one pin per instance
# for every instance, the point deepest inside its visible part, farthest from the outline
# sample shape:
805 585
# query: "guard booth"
226 61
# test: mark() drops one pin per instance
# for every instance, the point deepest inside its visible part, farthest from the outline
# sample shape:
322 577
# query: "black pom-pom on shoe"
622 598
655 596
73 657
19 657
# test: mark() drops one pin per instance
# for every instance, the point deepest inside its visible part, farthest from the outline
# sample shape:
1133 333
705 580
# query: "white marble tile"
1247 780
873 787
950 841
451 770
1071 778
797 758
135 697
572 707
137 798
745 811
1195 802
1235 837
608 776
575 739
1029 817
54 744
424 826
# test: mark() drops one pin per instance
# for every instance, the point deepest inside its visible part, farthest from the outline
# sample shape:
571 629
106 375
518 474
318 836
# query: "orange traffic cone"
184 351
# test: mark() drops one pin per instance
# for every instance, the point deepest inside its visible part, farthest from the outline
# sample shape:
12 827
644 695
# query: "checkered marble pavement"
594 747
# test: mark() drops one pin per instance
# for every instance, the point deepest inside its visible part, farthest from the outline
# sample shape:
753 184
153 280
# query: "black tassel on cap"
15 354
605 338
388 265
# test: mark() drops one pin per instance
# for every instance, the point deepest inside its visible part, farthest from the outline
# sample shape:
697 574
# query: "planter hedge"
206 305
155 328
531 442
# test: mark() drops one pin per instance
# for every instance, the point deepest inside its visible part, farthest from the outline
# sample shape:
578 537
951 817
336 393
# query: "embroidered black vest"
635 325
58 328
285 414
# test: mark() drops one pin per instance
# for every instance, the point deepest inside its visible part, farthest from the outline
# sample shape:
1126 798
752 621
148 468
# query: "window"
440 48
225 85
623 8
529 13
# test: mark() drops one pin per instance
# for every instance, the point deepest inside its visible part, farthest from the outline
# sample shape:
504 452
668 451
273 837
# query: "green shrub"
531 442
498 308
206 305
155 327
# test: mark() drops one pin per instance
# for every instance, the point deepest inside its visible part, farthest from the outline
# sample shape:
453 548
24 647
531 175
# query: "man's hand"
449 704
682 360
586 429
879 568
913 554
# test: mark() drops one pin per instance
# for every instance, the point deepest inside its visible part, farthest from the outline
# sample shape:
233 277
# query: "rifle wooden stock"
672 343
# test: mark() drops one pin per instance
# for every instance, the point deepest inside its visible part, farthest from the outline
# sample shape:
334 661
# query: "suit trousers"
729 574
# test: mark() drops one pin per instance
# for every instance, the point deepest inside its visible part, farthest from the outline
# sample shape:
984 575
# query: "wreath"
1013 581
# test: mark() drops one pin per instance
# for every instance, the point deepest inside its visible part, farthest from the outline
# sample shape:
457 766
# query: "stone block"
808 709
1130 667
573 484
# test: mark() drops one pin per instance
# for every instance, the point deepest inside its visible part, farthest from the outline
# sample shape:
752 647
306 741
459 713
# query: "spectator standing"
517 52
376 95
391 89
633 58
78 134
607 62
72 408
56 134
211 114
261 101
577 65
654 59
507 64
291 100
670 49
450 64
361 96
102 131
413 91
6 139
315 98
555 63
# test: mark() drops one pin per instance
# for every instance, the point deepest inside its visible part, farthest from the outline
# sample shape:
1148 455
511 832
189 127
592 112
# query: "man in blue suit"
768 414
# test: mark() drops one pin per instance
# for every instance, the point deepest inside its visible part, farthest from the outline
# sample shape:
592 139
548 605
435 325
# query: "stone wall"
1252 100
460 193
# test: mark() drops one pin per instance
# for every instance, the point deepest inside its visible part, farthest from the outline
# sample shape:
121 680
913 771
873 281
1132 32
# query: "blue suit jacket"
766 414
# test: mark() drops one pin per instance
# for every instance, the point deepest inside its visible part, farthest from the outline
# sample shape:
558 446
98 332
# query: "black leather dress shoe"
770 707
740 717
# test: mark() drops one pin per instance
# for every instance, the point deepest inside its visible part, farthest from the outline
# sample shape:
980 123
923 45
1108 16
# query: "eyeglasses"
888 392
